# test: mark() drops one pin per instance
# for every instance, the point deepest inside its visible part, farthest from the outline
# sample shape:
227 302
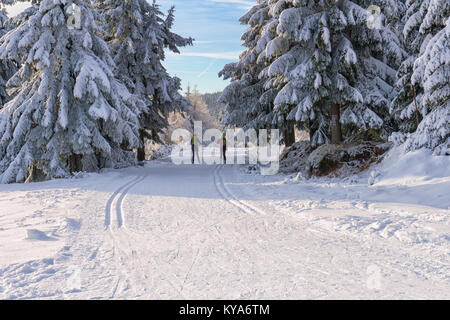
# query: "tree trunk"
336 133
35 174
311 130
289 134
74 163
141 149
418 116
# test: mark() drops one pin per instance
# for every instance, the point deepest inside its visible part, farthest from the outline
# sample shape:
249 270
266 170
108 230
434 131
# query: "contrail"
201 74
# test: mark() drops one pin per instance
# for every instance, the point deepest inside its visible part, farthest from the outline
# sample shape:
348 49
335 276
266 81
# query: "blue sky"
217 32
215 27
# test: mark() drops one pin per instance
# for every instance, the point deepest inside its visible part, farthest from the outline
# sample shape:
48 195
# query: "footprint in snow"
37 235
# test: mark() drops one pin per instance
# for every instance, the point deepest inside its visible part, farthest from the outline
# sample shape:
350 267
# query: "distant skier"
194 146
223 149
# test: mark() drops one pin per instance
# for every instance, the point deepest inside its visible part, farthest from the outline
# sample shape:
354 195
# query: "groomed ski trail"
210 232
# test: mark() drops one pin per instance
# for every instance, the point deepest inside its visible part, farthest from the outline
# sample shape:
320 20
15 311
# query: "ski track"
124 251
224 192
230 197
119 194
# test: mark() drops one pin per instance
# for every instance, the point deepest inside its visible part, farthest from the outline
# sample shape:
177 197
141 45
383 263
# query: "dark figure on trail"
223 149
194 146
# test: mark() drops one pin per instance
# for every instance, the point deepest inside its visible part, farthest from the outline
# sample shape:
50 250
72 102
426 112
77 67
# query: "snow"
415 168
216 232
31 215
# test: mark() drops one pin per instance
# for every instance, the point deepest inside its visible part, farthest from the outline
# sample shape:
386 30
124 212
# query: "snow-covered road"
213 232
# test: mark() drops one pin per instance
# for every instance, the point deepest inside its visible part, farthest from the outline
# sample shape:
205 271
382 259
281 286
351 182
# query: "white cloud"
247 4
232 55
17 8
200 42
204 42
201 74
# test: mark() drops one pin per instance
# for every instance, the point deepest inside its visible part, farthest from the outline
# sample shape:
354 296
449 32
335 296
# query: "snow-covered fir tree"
68 112
422 105
406 106
138 34
316 60
394 52
248 104
7 67
333 66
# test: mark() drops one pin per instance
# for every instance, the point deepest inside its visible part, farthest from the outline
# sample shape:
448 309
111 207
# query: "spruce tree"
248 104
406 106
138 34
334 68
7 67
68 112
318 64
422 105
